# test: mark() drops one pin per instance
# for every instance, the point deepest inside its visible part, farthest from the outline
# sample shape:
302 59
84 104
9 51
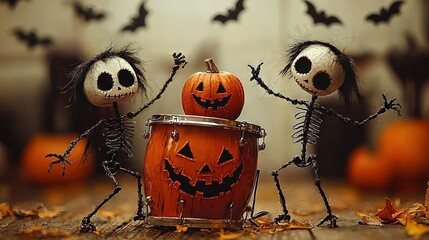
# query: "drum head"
205 121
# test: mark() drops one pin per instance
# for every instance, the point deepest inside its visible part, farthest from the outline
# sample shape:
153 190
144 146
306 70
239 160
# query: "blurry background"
30 78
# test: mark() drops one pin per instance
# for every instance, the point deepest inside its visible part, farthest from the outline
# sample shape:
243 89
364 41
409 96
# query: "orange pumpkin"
213 93
405 144
34 165
401 158
366 170
205 167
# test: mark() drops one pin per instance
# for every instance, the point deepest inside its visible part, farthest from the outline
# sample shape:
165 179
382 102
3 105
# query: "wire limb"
179 61
63 158
260 82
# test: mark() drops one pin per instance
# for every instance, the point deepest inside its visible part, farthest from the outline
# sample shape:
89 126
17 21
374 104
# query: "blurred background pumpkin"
401 158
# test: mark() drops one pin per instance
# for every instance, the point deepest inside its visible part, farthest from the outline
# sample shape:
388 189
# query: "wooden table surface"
55 212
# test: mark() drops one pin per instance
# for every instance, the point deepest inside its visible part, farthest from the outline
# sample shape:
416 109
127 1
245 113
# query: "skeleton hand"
60 159
255 72
392 104
179 59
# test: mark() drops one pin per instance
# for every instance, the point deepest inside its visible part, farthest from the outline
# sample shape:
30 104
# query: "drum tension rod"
181 204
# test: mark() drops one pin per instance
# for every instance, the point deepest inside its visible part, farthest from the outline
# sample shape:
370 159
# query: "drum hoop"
205 122
194 222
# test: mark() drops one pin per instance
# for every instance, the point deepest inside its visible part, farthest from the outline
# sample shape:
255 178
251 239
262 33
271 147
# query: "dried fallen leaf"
5 210
294 224
427 197
229 235
181 228
416 229
107 214
22 213
386 214
369 219
39 232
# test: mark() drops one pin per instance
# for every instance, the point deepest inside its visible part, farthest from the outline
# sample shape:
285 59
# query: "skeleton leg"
331 218
139 215
87 225
275 174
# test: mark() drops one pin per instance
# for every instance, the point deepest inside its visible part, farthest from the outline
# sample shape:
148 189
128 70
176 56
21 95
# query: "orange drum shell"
206 144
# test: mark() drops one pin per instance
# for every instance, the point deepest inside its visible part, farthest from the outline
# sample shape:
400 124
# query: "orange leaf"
369 219
229 235
386 214
181 228
5 210
294 224
427 197
415 229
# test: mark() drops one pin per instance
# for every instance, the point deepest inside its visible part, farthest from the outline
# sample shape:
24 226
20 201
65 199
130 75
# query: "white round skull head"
317 70
110 80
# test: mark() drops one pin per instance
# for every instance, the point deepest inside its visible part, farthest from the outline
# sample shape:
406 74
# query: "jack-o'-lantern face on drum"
205 167
208 178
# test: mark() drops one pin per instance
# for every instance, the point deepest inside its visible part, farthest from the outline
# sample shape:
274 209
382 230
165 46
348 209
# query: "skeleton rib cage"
306 131
119 134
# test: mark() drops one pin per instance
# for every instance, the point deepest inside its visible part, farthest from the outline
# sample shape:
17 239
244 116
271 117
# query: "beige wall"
262 34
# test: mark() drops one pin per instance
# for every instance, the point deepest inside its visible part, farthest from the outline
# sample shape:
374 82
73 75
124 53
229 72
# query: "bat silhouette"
384 15
137 21
320 17
87 13
232 13
11 3
31 39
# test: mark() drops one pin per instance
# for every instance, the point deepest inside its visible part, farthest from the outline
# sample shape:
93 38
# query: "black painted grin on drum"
208 190
209 104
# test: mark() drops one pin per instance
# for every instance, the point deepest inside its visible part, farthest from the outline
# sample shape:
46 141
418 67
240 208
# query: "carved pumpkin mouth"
209 104
208 190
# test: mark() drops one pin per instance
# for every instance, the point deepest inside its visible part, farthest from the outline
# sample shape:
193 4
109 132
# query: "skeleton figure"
109 78
319 69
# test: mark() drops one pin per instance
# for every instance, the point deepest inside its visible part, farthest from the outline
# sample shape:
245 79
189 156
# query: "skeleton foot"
332 221
283 217
87 226
139 216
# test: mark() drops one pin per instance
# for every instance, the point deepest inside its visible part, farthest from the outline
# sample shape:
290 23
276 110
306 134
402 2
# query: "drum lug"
230 212
181 206
148 204
243 141
174 135
146 133
262 146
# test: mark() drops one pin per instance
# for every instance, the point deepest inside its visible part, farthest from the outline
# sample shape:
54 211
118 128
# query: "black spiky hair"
74 87
349 86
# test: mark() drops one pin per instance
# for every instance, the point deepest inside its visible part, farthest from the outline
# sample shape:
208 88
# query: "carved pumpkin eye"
186 152
200 87
225 156
221 89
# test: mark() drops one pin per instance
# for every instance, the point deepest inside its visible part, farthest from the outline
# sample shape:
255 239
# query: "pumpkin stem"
211 66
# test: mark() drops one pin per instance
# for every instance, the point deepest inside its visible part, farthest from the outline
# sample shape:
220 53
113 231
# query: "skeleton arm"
179 59
392 104
255 76
63 158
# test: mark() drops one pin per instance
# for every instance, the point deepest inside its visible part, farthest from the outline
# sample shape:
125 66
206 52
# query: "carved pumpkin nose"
206 169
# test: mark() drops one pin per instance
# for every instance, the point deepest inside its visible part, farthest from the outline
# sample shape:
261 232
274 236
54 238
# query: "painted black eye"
225 156
200 87
186 152
321 80
221 89
126 78
105 81
303 65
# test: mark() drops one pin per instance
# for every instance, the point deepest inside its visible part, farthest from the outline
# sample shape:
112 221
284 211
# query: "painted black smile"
209 104
209 190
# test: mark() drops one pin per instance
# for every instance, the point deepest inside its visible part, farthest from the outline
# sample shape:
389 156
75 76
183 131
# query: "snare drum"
199 169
